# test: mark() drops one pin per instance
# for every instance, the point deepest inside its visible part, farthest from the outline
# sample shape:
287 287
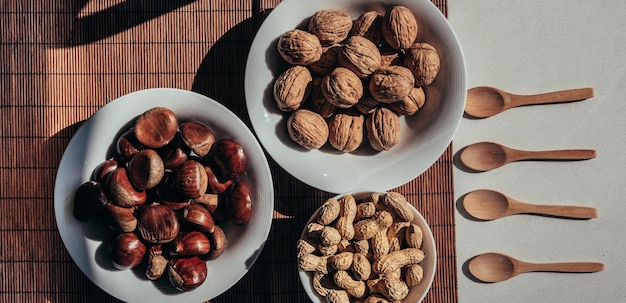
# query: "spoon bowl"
485 156
487 204
496 267
485 101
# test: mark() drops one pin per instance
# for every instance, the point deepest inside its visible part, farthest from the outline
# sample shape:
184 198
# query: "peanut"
365 210
354 287
398 259
399 204
346 217
304 247
396 234
329 211
361 267
341 261
380 244
337 296
414 275
392 288
366 229
329 236
311 262
414 236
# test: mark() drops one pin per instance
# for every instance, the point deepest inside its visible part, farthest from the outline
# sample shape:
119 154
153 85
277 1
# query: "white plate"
87 242
429 264
425 136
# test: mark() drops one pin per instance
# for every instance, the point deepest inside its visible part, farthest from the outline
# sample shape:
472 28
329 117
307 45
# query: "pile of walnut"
367 250
165 193
347 75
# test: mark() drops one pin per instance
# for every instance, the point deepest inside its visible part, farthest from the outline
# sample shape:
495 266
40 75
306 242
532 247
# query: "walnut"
307 128
383 129
423 60
399 27
392 83
367 104
410 104
345 131
330 26
368 25
328 60
292 87
319 103
342 87
360 55
299 47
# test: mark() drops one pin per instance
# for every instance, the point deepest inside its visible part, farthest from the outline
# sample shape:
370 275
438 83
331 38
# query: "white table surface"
529 47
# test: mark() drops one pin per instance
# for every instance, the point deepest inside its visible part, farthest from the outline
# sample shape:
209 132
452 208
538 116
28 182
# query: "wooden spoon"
485 101
486 156
487 204
495 267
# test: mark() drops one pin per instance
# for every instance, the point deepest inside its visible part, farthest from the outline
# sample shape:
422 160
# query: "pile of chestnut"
165 192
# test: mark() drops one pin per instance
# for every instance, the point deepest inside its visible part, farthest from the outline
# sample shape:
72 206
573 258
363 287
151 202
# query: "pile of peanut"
363 251
349 81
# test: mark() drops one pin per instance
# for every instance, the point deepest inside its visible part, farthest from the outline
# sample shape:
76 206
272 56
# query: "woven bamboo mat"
63 60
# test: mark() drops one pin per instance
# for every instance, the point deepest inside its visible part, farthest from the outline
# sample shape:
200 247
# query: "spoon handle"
574 267
552 97
564 154
578 212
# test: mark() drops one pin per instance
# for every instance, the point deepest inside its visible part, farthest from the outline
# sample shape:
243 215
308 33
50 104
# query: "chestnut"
230 158
156 262
102 171
146 169
198 217
187 273
157 224
191 179
120 219
239 203
191 243
126 251
89 201
218 243
156 127
209 201
214 184
128 145
168 195
121 192
198 137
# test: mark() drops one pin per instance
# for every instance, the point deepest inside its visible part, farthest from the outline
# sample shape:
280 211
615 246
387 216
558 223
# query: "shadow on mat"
74 29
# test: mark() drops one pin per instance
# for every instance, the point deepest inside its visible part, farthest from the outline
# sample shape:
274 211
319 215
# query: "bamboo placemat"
63 60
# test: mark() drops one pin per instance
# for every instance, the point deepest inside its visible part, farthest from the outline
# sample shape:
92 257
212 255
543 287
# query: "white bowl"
425 136
87 242
429 264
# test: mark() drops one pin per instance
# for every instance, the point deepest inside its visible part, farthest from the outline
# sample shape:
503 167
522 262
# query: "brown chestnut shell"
230 158
126 251
157 224
186 274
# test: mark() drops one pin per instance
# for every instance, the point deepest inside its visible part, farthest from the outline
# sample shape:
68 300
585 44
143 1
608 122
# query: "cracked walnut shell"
307 128
345 131
399 27
292 87
342 87
392 83
383 129
360 55
423 60
330 26
299 47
